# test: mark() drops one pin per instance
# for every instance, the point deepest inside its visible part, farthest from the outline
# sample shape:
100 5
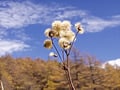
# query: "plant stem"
73 42
1 85
56 50
68 65
69 75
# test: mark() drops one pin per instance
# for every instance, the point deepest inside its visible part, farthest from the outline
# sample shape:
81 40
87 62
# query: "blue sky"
22 25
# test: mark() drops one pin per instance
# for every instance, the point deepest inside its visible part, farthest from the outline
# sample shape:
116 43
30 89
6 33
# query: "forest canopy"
38 74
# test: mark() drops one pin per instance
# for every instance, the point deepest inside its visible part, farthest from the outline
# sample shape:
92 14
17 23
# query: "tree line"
28 74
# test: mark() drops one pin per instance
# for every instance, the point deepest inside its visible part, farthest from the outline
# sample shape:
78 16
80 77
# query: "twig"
73 42
56 50
69 74
2 87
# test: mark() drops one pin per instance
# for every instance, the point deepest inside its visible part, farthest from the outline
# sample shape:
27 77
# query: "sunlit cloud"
114 63
96 24
8 46
18 15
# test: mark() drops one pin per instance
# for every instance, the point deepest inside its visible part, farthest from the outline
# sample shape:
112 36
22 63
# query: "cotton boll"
52 54
66 25
47 31
64 43
50 33
79 28
48 44
56 25
69 35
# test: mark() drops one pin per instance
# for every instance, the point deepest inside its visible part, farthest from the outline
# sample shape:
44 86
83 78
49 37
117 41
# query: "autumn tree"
35 74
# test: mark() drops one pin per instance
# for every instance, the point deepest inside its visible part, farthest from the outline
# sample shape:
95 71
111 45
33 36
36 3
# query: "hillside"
28 74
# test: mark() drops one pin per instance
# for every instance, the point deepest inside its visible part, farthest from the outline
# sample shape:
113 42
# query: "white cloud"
96 24
115 62
71 14
20 14
7 46
17 15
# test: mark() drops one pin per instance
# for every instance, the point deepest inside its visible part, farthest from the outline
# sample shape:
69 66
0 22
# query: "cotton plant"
62 31
52 54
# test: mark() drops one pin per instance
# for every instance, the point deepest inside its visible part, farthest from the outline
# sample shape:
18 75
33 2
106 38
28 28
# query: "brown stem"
2 87
69 75
70 81
67 65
